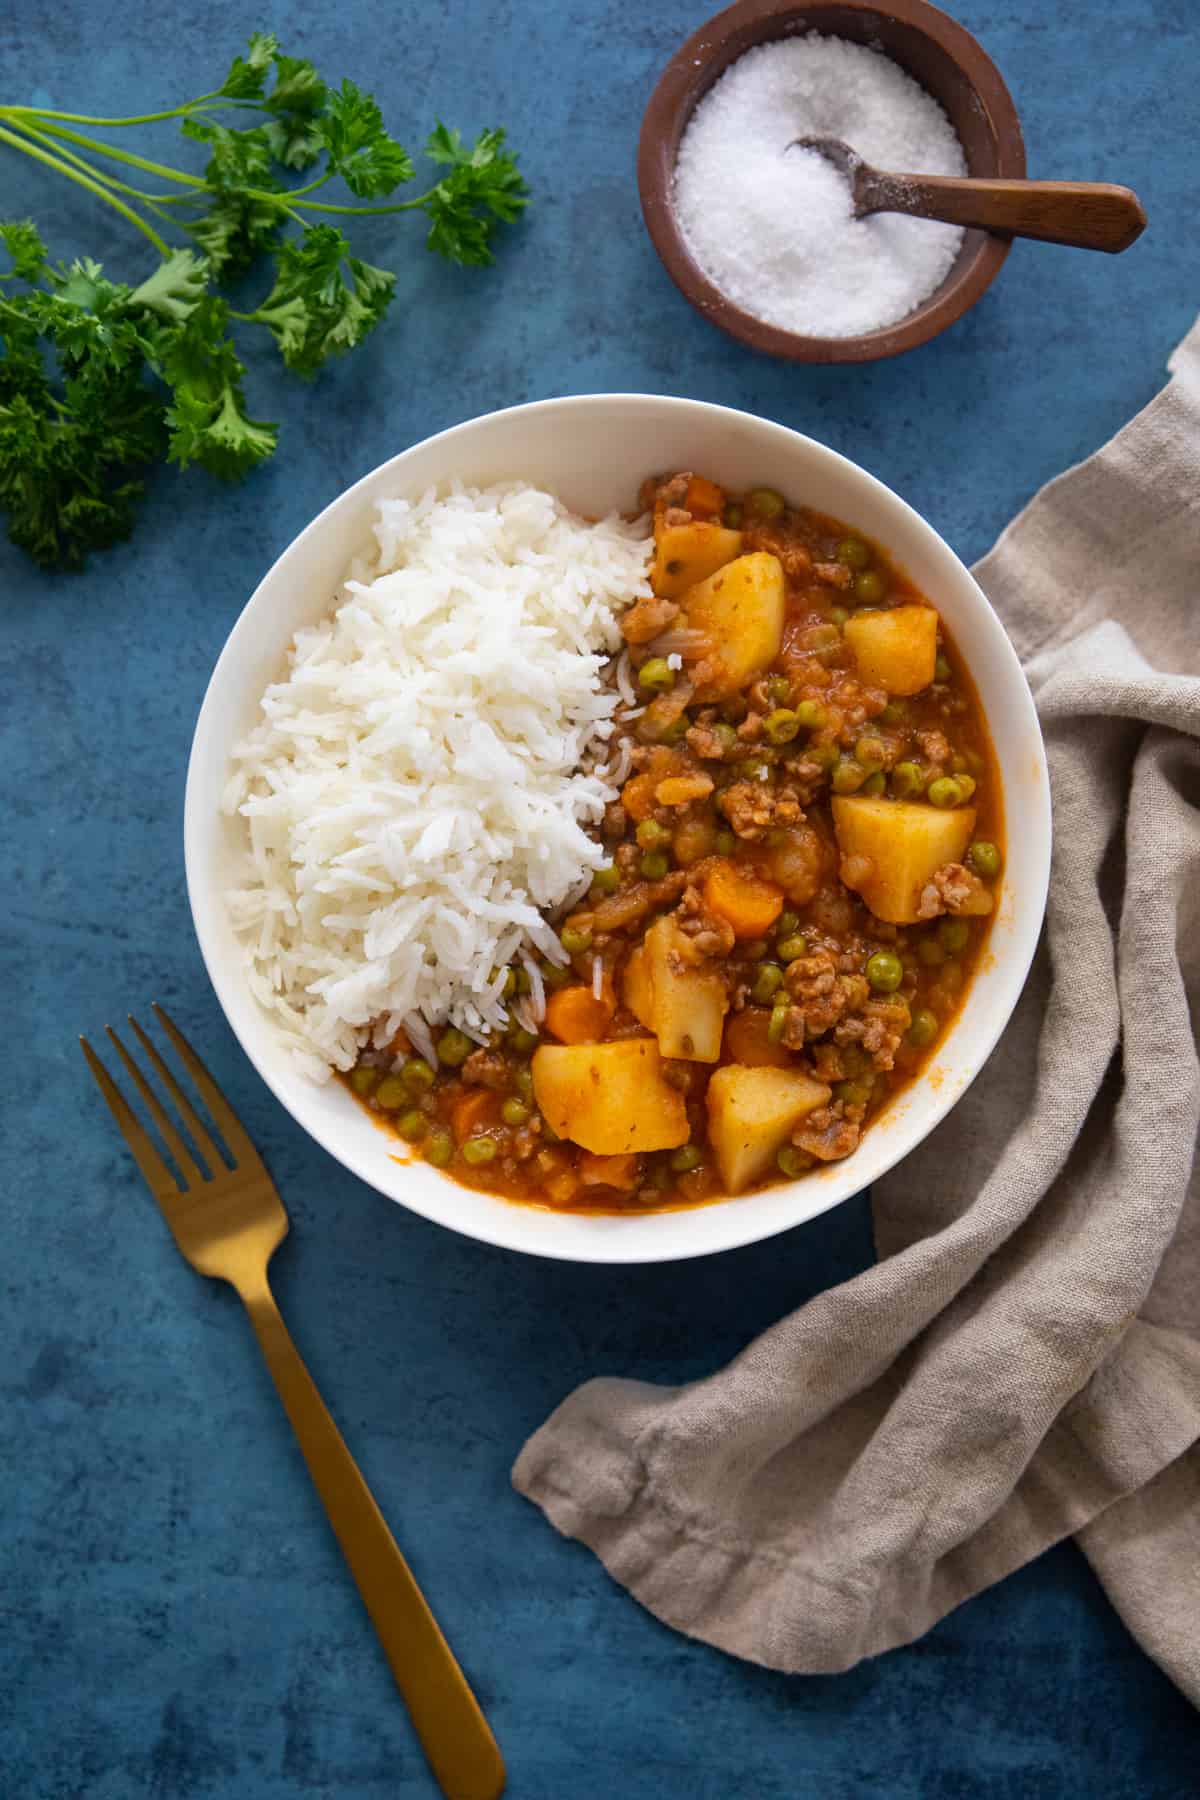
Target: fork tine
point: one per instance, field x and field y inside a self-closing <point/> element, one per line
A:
<point x="158" y="1177"/>
<point x="192" y="1173"/>
<point x="228" y="1123"/>
<point x="183" y="1105"/>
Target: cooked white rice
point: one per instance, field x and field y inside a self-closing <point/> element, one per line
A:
<point x="418" y="790"/>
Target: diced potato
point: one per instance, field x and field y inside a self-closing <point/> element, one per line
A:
<point x="896" y="650"/>
<point x="740" y="610"/>
<point x="685" y="554"/>
<point x="610" y="1098"/>
<point x="689" y="1002"/>
<point x="751" y="1114"/>
<point x="637" y="988"/>
<point x="890" y="849"/>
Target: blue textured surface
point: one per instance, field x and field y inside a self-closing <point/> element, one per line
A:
<point x="176" y="1618"/>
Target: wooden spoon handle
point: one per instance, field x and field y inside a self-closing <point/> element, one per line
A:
<point x="1092" y="215"/>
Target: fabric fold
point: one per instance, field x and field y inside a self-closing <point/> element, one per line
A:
<point x="1023" y="1362"/>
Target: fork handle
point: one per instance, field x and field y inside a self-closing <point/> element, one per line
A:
<point x="455" y="1736"/>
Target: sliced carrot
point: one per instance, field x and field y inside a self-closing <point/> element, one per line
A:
<point x="705" y="500"/>
<point x="743" y="898"/>
<point x="746" y="1041"/>
<point x="575" y="1016"/>
<point x="471" y="1111"/>
<point x="609" y="1171"/>
<point x="637" y="796"/>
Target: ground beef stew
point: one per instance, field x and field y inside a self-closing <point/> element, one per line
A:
<point x="800" y="885"/>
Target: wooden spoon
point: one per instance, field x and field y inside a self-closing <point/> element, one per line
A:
<point x="1091" y="215"/>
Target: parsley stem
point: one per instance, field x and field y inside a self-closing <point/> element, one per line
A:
<point x="176" y="112"/>
<point x="110" y="181"/>
<point x="124" y="156"/>
<point x="85" y="181"/>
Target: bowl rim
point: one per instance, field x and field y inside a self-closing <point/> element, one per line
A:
<point x="665" y="120"/>
<point x="732" y="1222"/>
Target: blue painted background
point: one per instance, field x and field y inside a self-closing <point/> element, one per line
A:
<point x="174" y="1617"/>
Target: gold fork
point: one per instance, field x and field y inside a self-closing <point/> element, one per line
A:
<point x="227" y="1223"/>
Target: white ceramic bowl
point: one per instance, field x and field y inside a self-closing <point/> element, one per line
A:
<point x="593" y="450"/>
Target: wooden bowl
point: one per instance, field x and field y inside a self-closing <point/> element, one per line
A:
<point x="939" y="54"/>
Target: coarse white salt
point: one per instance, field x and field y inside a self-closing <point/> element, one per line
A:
<point x="773" y="228"/>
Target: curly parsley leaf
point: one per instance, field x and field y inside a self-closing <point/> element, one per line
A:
<point x="21" y="239"/>
<point x="482" y="185"/>
<point x="248" y="74"/>
<point x="369" y="161"/>
<point x="315" y="312"/>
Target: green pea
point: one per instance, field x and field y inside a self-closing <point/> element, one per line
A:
<point x="852" y="1093"/>
<point x="391" y="1093"/>
<point x="767" y="984"/>
<point x="848" y="776"/>
<point x="725" y="734"/>
<point x="893" y="712"/>
<point x="930" y="952"/>
<point x="790" y="1162"/>
<point x="479" y="1150"/>
<point x="871" y="750"/>
<point x="942" y="670"/>
<point x="778" y="1021"/>
<point x="854" y="553"/>
<point x="788" y="949"/>
<point x="954" y="935"/>
<point x="671" y="734"/>
<point x="787" y="924"/>
<point x="412" y="1125"/>
<point x="824" y="755"/>
<point x="510" y="984"/>
<point x="524" y="984"/>
<point x="521" y="1040"/>
<point x="439" y="1148"/>
<point x="751" y="767"/>
<point x="654" y="864"/>
<point x="553" y="977"/>
<point x="656" y="674"/>
<point x="364" y="1079"/>
<point x="765" y="502"/>
<point x="908" y="779"/>
<point x="966" y="786"/>
<point x="454" y="1047"/>
<point x="874" y="784"/>
<point x="515" y="1112"/>
<point x="651" y="835"/>
<point x="781" y="727"/>
<point x="575" y="940"/>
<point x="923" y="1028"/>
<point x="686" y="1158"/>
<point x="606" y="880"/>
<point x="726" y="843"/>
<point x="885" y="971"/>
<point x="779" y="689"/>
<point x="984" y="858"/>
<point x="809" y="715"/>
<point x="869" y="587"/>
<point x="731" y="518"/>
<point x="944" y="791"/>
<point x="523" y="1082"/>
<point x="839" y="615"/>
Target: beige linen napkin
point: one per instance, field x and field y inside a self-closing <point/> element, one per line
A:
<point x="1023" y="1362"/>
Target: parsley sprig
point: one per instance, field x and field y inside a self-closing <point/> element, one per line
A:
<point x="99" y="379"/>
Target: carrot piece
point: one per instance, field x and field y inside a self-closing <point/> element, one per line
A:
<point x="470" y="1111"/>
<point x="637" y="796"/>
<point x="743" y="898"/>
<point x="609" y="1171"/>
<point x="575" y="1016"/>
<point x="746" y="1041"/>
<point x="705" y="500"/>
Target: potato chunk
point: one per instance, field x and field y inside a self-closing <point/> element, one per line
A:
<point x="685" y="554"/>
<point x="689" y="1002"/>
<point x="896" y="650"/>
<point x="637" y="987"/>
<point x="890" y="849"/>
<point x="740" y="610"/>
<point x="751" y="1114"/>
<point x="610" y="1098"/>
